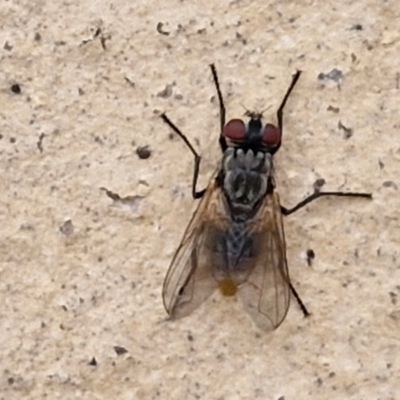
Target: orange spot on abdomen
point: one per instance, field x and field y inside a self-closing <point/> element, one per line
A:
<point x="227" y="287"/>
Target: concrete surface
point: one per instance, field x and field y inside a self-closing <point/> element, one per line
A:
<point x="81" y="273"/>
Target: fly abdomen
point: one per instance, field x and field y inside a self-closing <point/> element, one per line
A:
<point x="233" y="248"/>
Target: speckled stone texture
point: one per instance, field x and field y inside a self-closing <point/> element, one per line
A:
<point x="88" y="227"/>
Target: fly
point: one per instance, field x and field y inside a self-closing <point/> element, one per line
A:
<point x="235" y="240"/>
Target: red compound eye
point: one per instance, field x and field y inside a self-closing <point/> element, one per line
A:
<point x="271" y="135"/>
<point x="235" y="129"/>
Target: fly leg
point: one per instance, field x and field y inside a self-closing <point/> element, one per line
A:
<point x="318" y="194"/>
<point x="222" y="141"/>
<point x="196" y="194"/>
<point x="279" y="114"/>
<point x="299" y="301"/>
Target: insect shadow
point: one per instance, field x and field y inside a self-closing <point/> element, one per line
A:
<point x="235" y="240"/>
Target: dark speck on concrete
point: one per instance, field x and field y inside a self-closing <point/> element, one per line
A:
<point x="7" y="46"/>
<point x="348" y="132"/>
<point x="160" y="29"/>
<point x="93" y="362"/>
<point x="310" y="256"/>
<point x="335" y="75"/>
<point x="120" y="350"/>
<point x="389" y="184"/>
<point x="143" y="152"/>
<point x="15" y="88"/>
<point x="317" y="186"/>
<point x="167" y="92"/>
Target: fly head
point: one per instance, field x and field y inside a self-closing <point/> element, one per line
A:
<point x="255" y="135"/>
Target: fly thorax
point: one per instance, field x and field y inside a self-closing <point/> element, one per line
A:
<point x="245" y="177"/>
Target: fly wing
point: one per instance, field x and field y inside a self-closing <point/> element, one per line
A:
<point x="190" y="280"/>
<point x="266" y="290"/>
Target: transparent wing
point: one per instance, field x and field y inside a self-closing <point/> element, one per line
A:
<point x="190" y="280"/>
<point x="266" y="290"/>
